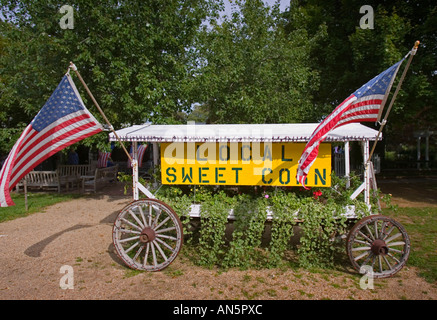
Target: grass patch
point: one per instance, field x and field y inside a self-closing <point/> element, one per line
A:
<point x="421" y="226"/>
<point x="36" y="203"/>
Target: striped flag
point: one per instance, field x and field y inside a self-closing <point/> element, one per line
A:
<point x="62" y="121"/>
<point x="141" y="151"/>
<point x="364" y="105"/>
<point x="102" y="161"/>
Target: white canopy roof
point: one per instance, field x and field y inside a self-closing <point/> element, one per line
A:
<point x="295" y="132"/>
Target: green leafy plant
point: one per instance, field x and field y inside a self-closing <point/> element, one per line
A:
<point x="319" y="213"/>
<point x="321" y="223"/>
<point x="285" y="206"/>
<point x="179" y="202"/>
<point x="250" y="216"/>
<point x="214" y="217"/>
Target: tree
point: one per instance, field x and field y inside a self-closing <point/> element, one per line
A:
<point x="132" y="54"/>
<point x="249" y="70"/>
<point x="349" y="56"/>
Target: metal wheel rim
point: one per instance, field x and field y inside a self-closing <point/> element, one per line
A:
<point x="379" y="242"/>
<point x="147" y="235"/>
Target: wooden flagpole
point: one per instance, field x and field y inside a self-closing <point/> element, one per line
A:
<point x="74" y="68"/>
<point x="384" y="121"/>
<point x="26" y="205"/>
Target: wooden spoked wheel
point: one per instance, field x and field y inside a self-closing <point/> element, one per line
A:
<point x="147" y="235"/>
<point x="380" y="243"/>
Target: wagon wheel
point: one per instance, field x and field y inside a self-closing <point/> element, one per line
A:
<point x="147" y="235"/>
<point x="379" y="242"/>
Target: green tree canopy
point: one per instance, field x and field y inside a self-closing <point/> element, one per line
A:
<point x="132" y="54"/>
<point x="350" y="56"/>
<point x="249" y="70"/>
<point x="162" y="61"/>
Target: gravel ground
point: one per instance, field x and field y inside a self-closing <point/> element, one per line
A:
<point x="77" y="235"/>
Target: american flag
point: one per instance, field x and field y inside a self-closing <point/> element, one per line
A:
<point x="364" y="105"/>
<point x="141" y="151"/>
<point x="102" y="161"/>
<point x="62" y="121"/>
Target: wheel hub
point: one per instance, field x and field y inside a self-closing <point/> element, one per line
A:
<point x="379" y="247"/>
<point x="147" y="235"/>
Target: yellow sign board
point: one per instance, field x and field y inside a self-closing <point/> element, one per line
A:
<point x="269" y="164"/>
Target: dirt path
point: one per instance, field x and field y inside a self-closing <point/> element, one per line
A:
<point x="78" y="234"/>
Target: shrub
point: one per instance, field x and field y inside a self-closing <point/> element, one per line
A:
<point x="319" y="213"/>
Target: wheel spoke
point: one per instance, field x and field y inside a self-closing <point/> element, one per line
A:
<point x="142" y="216"/>
<point x="166" y="237"/>
<point x="362" y="242"/>
<point x="374" y="258"/>
<point x="365" y="237"/>
<point x="398" y="243"/>
<point x="127" y="231"/>
<point x="380" y="263"/>
<point x="131" y="224"/>
<point x="165" y="244"/>
<point x="367" y="259"/>
<point x="132" y="247"/>
<point x="165" y="230"/>
<point x="360" y="248"/>
<point x="389" y="232"/>
<point x="155" y="262"/>
<point x="156" y="219"/>
<point x="383" y="226"/>
<point x="129" y="239"/>
<point x="397" y="235"/>
<point x="375" y="225"/>
<point x="138" y="253"/>
<point x="136" y="219"/>
<point x="146" y="255"/>
<point x="393" y="257"/>
<point x="370" y="232"/>
<point x="164" y="221"/>
<point x="396" y="250"/>
<point x="150" y="216"/>
<point x="387" y="263"/>
<point x="361" y="256"/>
<point x="155" y="243"/>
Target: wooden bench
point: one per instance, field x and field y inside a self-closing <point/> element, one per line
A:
<point x="71" y="174"/>
<point x="41" y="180"/>
<point x="101" y="177"/>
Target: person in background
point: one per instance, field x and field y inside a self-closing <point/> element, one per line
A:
<point x="73" y="157"/>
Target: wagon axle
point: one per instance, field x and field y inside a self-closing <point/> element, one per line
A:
<point x="379" y="247"/>
<point x="147" y="235"/>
